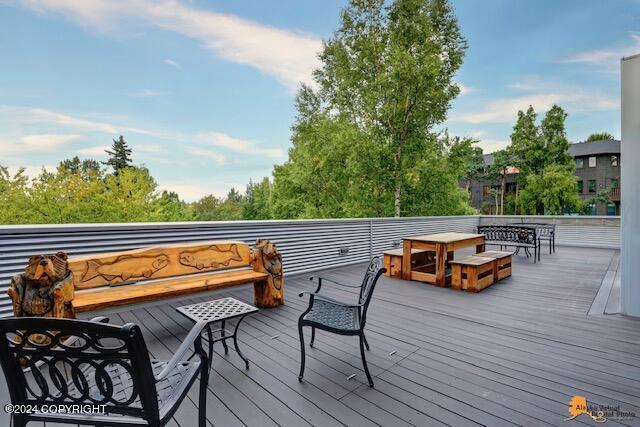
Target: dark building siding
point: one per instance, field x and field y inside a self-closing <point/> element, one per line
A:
<point x="605" y="174"/>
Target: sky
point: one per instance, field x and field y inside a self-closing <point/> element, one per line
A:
<point x="203" y="90"/>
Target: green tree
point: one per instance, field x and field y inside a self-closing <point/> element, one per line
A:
<point x="554" y="139"/>
<point x="386" y="79"/>
<point x="535" y="148"/>
<point x="169" y="207"/>
<point x="207" y="208"/>
<point x="119" y="155"/>
<point x="600" y="136"/>
<point x="14" y="197"/>
<point x="257" y="200"/>
<point x="527" y="146"/>
<point x="552" y="192"/>
<point x="475" y="168"/>
<point x="80" y="192"/>
<point x="503" y="160"/>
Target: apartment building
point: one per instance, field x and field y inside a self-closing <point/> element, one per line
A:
<point x="597" y="171"/>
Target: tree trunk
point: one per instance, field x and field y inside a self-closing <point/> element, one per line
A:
<point x="398" y="184"/>
<point x="502" y="186"/>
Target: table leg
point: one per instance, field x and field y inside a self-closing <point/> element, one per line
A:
<point x="224" y="341"/>
<point x="441" y="264"/>
<point x="480" y="248"/>
<point x="406" y="259"/>
<point x="449" y="257"/>
<point x="235" y="342"/>
<point x="210" y="339"/>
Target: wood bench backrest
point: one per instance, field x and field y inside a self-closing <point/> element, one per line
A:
<point x="93" y="271"/>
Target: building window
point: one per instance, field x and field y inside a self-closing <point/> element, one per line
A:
<point x="580" y="187"/>
<point x="592" y="186"/>
<point x="485" y="190"/>
<point x="579" y="163"/>
<point x="611" y="209"/>
<point x="614" y="160"/>
<point x="592" y="162"/>
<point x="590" y="209"/>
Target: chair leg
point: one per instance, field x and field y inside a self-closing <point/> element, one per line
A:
<point x="364" y="360"/>
<point x="19" y="421"/>
<point x="202" y="403"/>
<point x="313" y="336"/>
<point x="302" y="355"/>
<point x="366" y="344"/>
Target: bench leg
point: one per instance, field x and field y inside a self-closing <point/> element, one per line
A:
<point x="313" y="336"/>
<point x="472" y="278"/>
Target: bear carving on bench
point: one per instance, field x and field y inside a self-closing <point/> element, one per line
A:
<point x="45" y="289"/>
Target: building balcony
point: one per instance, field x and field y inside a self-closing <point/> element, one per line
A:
<point x="614" y="194"/>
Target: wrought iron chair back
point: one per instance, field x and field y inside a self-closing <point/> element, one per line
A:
<point x="42" y="369"/>
<point x="371" y="276"/>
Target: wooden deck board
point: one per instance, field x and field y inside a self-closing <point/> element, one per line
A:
<point x="512" y="354"/>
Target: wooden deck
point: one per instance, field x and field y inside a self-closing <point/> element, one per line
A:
<point x="512" y="354"/>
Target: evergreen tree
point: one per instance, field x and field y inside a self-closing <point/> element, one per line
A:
<point x="119" y="155"/>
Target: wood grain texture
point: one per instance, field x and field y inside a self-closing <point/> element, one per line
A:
<point x="265" y="258"/>
<point x="93" y="299"/>
<point x="157" y="262"/>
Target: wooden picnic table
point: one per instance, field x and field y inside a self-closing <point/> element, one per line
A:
<point x="443" y="244"/>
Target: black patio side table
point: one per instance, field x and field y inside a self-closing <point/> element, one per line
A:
<point x="219" y="310"/>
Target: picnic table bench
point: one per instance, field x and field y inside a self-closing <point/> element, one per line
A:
<point x="152" y="273"/>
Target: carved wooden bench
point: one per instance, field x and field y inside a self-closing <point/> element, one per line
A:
<point x="118" y="278"/>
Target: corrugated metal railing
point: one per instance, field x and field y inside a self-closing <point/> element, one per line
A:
<point x="306" y="245"/>
<point x="584" y="231"/>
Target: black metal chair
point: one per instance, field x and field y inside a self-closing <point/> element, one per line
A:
<point x="92" y="364"/>
<point x="340" y="317"/>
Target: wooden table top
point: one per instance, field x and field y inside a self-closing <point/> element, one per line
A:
<point x="444" y="237"/>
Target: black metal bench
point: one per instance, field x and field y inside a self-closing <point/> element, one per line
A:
<point x="544" y="231"/>
<point x="512" y="235"/>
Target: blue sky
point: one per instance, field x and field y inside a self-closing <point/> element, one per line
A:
<point x="203" y="90"/>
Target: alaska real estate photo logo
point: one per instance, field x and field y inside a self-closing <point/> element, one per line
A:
<point x="578" y="405"/>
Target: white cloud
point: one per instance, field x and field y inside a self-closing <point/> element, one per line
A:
<point x="147" y="93"/>
<point x="244" y="146"/>
<point x="465" y="90"/>
<point x="209" y="154"/>
<point x="49" y="117"/>
<point x="93" y="151"/>
<point x="148" y="148"/>
<point x="504" y="110"/>
<point x="37" y="143"/>
<point x="287" y="55"/>
<point x="31" y="171"/>
<point x="490" y="145"/>
<point x="606" y="59"/>
<point x="172" y="63"/>
<point x="191" y="190"/>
